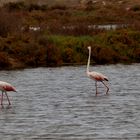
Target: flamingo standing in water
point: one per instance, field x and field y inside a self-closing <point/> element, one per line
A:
<point x="98" y="77"/>
<point x="5" y="87"/>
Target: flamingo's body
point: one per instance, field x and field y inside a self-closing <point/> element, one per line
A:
<point x="6" y="87"/>
<point x="98" y="77"/>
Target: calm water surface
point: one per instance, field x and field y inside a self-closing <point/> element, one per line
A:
<point x="60" y="104"/>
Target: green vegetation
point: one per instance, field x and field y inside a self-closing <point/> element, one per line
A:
<point x="34" y="35"/>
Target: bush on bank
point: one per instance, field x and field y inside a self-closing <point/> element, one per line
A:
<point x="56" y="50"/>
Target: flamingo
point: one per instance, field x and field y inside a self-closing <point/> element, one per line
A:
<point x="98" y="77"/>
<point x="5" y="87"/>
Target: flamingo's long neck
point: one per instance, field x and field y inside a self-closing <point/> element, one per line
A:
<point x="88" y="63"/>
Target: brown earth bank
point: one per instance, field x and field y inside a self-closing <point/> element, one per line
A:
<point x="54" y="34"/>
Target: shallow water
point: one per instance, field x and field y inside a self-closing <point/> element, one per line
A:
<point x="60" y="104"/>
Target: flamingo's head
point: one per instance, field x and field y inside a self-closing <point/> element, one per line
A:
<point x="89" y="47"/>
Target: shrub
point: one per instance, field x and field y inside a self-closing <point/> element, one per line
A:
<point x="53" y="56"/>
<point x="68" y="55"/>
<point x="137" y="54"/>
<point x="15" y="6"/>
<point x="32" y="7"/>
<point x="9" y="23"/>
<point x="4" y="61"/>
<point x="89" y="5"/>
<point x="42" y="40"/>
<point x="104" y="55"/>
<point x="135" y="8"/>
<point x="60" y="7"/>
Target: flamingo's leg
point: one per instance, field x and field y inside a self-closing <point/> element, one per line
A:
<point x="2" y="98"/>
<point x="96" y="88"/>
<point x="106" y="87"/>
<point x="7" y="98"/>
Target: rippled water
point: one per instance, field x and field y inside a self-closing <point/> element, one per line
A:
<point x="60" y="104"/>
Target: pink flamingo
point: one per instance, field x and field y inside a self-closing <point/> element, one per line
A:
<point x="5" y="87"/>
<point x="95" y="75"/>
